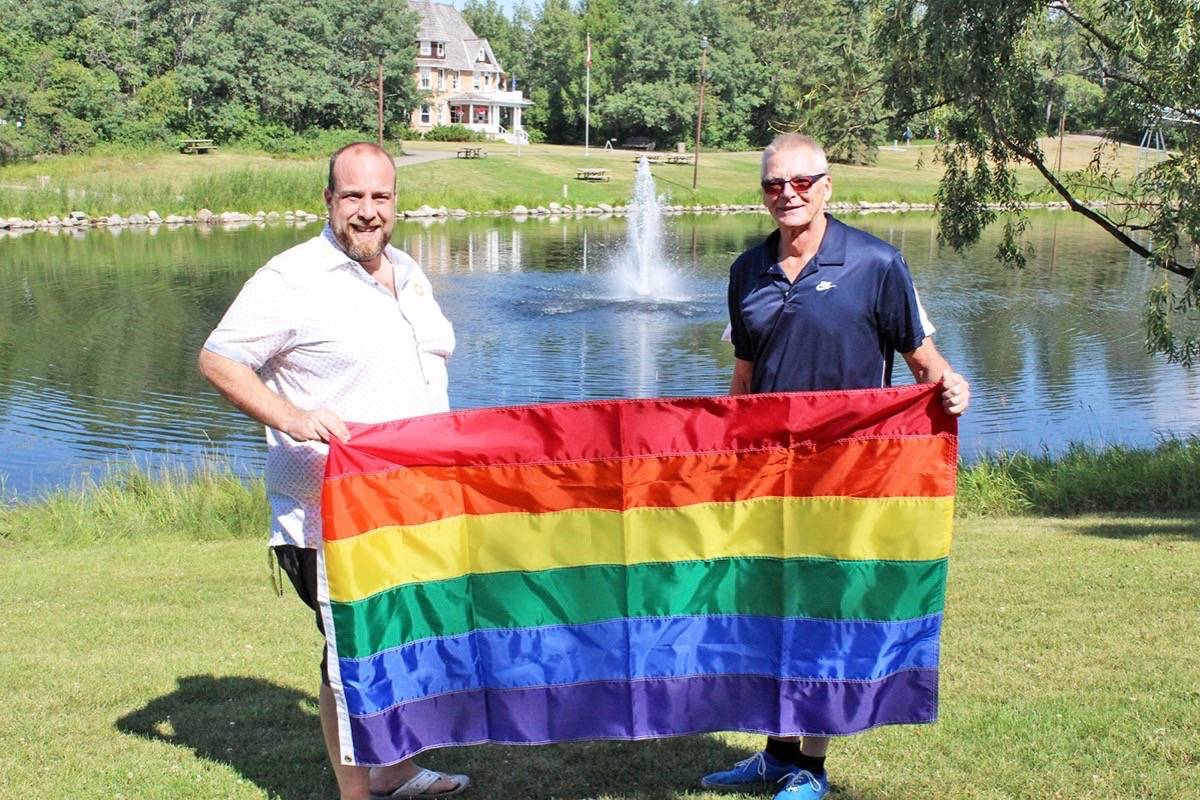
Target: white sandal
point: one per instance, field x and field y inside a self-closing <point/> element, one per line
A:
<point x="418" y="785"/>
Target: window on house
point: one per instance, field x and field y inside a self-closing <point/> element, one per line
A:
<point x="424" y="115"/>
<point x="454" y="79"/>
<point x="424" y="77"/>
<point x="424" y="47"/>
<point x="441" y="79"/>
<point x="475" y="80"/>
<point x="441" y="49"/>
<point x="457" y="114"/>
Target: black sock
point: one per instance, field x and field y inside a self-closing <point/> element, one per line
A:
<point x="781" y="750"/>
<point x="789" y="753"/>
<point x="814" y="764"/>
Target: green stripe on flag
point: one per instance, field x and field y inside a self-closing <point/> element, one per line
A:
<point x="799" y="587"/>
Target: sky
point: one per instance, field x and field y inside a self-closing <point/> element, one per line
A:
<point x="507" y="5"/>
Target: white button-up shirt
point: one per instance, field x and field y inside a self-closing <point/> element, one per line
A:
<point x="321" y="332"/>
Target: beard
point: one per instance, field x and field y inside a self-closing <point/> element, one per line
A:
<point x="360" y="247"/>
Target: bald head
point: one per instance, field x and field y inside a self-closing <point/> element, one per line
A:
<point x="356" y="150"/>
<point x="787" y="142"/>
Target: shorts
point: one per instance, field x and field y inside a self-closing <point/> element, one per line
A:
<point x="300" y="564"/>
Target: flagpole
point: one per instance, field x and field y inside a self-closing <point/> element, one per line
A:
<point x="587" y="109"/>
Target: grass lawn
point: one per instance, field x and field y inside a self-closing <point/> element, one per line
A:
<point x="168" y="182"/>
<point x="166" y="668"/>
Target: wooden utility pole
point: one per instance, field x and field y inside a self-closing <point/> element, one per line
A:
<point x="700" y="111"/>
<point x="1062" y="129"/>
<point x="379" y="97"/>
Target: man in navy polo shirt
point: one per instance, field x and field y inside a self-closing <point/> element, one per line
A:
<point x="819" y="305"/>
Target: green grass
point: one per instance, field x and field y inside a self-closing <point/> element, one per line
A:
<point x="208" y="504"/>
<point x="126" y="182"/>
<point x="1083" y="480"/>
<point x="165" y="667"/>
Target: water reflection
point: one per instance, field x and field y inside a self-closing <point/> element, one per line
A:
<point x="99" y="330"/>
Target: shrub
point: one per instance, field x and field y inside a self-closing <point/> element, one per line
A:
<point x="453" y="133"/>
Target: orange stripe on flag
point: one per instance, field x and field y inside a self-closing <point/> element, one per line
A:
<point x="865" y="468"/>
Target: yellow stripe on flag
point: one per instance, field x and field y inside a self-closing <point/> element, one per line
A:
<point x="895" y="529"/>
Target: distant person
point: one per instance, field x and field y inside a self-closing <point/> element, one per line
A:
<point x="908" y="136"/>
<point x="340" y="327"/>
<point x="819" y="305"/>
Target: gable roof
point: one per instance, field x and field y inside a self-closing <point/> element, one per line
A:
<point x="441" y="22"/>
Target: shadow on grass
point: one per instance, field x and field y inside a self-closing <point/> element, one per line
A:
<point x="1174" y="528"/>
<point x="269" y="734"/>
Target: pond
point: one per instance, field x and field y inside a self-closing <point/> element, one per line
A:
<point x="99" y="332"/>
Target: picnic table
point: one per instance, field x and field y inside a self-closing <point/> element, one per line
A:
<point x="639" y="143"/>
<point x="591" y="174"/>
<point x="673" y="158"/>
<point x="472" y="152"/>
<point x="191" y="146"/>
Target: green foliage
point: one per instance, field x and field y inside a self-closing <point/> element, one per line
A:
<point x="314" y="143"/>
<point x="1084" y="480"/>
<point x="150" y="71"/>
<point x="453" y="133"/>
<point x="1082" y="100"/>
<point x="995" y="75"/>
<point x="555" y="73"/>
<point x="130" y="504"/>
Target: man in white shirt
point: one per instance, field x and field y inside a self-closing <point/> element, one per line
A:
<point x="341" y="327"/>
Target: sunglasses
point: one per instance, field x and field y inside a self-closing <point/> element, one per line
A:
<point x="773" y="187"/>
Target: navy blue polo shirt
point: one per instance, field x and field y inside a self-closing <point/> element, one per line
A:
<point x="851" y="308"/>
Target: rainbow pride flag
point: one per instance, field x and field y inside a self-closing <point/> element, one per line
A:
<point x="637" y="569"/>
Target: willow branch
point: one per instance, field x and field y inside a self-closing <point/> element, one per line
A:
<point x="910" y="112"/>
<point x="1148" y="91"/>
<point x="1065" y="7"/>
<point x="1170" y="264"/>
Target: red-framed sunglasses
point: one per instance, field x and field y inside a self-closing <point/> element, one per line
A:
<point x="773" y="187"/>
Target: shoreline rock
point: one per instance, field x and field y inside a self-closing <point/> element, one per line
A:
<point x="78" y="222"/>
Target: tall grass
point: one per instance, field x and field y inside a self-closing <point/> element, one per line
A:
<point x="279" y="187"/>
<point x="1084" y="480"/>
<point x="210" y="503"/>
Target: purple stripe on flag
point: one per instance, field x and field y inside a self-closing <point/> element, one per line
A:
<point x="645" y="709"/>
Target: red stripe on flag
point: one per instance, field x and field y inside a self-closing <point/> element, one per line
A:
<point x="610" y="429"/>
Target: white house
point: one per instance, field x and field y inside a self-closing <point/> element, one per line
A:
<point x="460" y="78"/>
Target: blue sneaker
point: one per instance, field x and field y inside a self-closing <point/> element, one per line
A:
<point x="803" y="785"/>
<point x="759" y="768"/>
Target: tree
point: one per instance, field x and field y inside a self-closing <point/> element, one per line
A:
<point x="979" y="66"/>
<point x="653" y="82"/>
<point x="823" y="80"/>
<point x="556" y="74"/>
<point x="737" y="82"/>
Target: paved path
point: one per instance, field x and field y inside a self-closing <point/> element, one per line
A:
<point x="423" y="156"/>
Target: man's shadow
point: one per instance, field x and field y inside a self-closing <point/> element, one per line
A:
<point x="270" y="735"/>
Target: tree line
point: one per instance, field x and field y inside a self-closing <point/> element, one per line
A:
<point x="146" y="72"/>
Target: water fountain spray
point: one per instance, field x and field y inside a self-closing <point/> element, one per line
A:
<point x="644" y="268"/>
